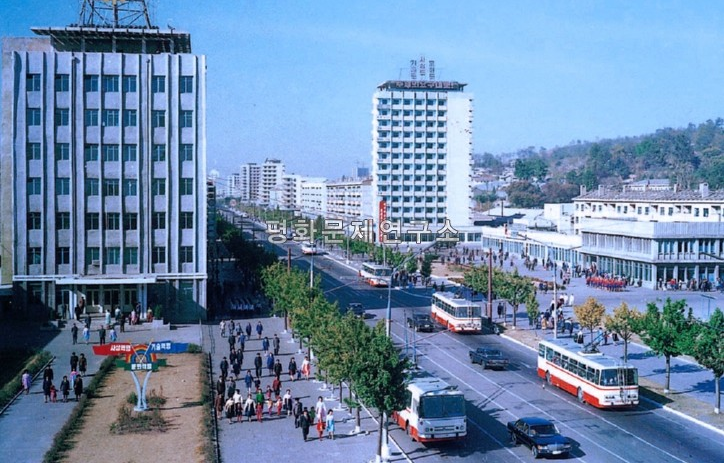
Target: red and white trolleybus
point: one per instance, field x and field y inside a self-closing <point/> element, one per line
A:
<point x="597" y="379"/>
<point x="456" y="314"/>
<point x="375" y="274"/>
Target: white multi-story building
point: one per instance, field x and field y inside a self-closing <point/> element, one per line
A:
<point x="291" y="191"/>
<point x="272" y="171"/>
<point x="103" y="169"/>
<point x="349" y="199"/>
<point x="653" y="235"/>
<point x="422" y="154"/>
<point x="314" y="196"/>
<point x="233" y="186"/>
<point x="249" y="175"/>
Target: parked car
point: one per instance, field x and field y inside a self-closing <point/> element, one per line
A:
<point x="420" y="322"/>
<point x="489" y="357"/>
<point x="356" y="308"/>
<point x="540" y="435"/>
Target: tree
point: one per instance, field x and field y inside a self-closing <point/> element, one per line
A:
<point x="524" y="194"/>
<point x="515" y="289"/>
<point x="589" y="314"/>
<point x="411" y="264"/>
<point x="556" y="193"/>
<point x="664" y="332"/>
<point x="533" y="167"/>
<point x="426" y="268"/>
<point x="532" y="308"/>
<point x="706" y="345"/>
<point x="622" y="322"/>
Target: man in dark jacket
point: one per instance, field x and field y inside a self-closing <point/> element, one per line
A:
<point x="224" y="367"/>
<point x="277" y="344"/>
<point x="258" y="364"/>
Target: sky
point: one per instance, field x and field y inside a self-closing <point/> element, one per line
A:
<point x="294" y="80"/>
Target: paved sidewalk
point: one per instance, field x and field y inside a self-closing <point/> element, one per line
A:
<point x="29" y="424"/>
<point x="276" y="437"/>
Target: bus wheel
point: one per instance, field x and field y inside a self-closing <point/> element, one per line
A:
<point x="579" y="394"/>
<point x="548" y="377"/>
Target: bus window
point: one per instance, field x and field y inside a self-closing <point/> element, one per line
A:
<point x="609" y="377"/>
<point x="541" y="350"/>
<point x="442" y="406"/>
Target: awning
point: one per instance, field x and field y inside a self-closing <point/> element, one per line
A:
<point x="105" y="281"/>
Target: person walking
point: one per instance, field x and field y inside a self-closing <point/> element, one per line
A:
<point x="259" y="328"/>
<point x="248" y="329"/>
<point x="248" y="381"/>
<point x="65" y="388"/>
<point x="278" y="369"/>
<point x="73" y="362"/>
<point x="304" y="423"/>
<point x="249" y="407"/>
<point x="86" y="334"/>
<point x="48" y="374"/>
<point x="123" y="323"/>
<point x="74" y="333"/>
<point x="82" y="364"/>
<point x="224" y="367"/>
<point x="270" y="363"/>
<point x="306" y="368"/>
<point x="277" y="386"/>
<point x="46" y="388"/>
<point x="222" y="328"/>
<point x="292" y="368"/>
<point x="112" y="334"/>
<point x="297" y="411"/>
<point x="102" y="335"/>
<point x="26" y="379"/>
<point x="329" y="423"/>
<point x="287" y="402"/>
<point x="258" y="364"/>
<point x="320" y="424"/>
<point x="320" y="410"/>
<point x="259" y="404"/>
<point x="78" y="387"/>
<point x="276" y="343"/>
<point x="265" y="345"/>
<point x="229" y="409"/>
<point x="232" y="342"/>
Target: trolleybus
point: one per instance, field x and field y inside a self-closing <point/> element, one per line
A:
<point x="309" y="248"/>
<point x="455" y="313"/>
<point x="434" y="410"/>
<point x="375" y="274"/>
<point x="602" y="381"/>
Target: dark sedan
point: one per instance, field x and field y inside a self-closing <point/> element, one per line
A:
<point x="420" y="322"/>
<point x="540" y="435"/>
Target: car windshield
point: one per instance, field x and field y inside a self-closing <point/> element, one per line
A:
<point x="493" y="352"/>
<point x="442" y="406"/>
<point x="543" y="430"/>
<point x="422" y="318"/>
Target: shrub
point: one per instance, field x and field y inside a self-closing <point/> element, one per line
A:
<point x="35" y="363"/>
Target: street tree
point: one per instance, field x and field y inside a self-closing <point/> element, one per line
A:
<point x="665" y="331"/>
<point x="622" y="322"/>
<point x="532" y="307"/>
<point x="706" y="345"/>
<point x="589" y="314"/>
<point x="426" y="269"/>
<point x="411" y="264"/>
<point x="516" y="289"/>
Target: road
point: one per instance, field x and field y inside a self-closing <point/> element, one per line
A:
<point x="646" y="434"/>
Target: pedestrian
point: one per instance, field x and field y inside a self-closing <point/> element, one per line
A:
<point x="249" y="407"/>
<point x="53" y="393"/>
<point x="304" y="423"/>
<point x="277" y="386"/>
<point x="86" y="334"/>
<point x="88" y="321"/>
<point x="123" y="323"/>
<point x="248" y="329"/>
<point x="258" y="364"/>
<point x="78" y="387"/>
<point x="107" y="317"/>
<point x="224" y="367"/>
<point x="26" y="379"/>
<point x="82" y="364"/>
<point x="236" y="368"/>
<point x="112" y="334"/>
<point x="306" y="368"/>
<point x="259" y="404"/>
<point x="277" y="344"/>
<point x="248" y="380"/>
<point x="329" y="423"/>
<point x="320" y="419"/>
<point x="297" y="411"/>
<point x="73" y="362"/>
<point x="221" y="386"/>
<point x="292" y="368"/>
<point x="232" y="342"/>
<point x="320" y="410"/>
<point x="270" y="363"/>
<point x="74" y="333"/>
<point x="259" y="328"/>
<point x="48" y="373"/>
<point x="65" y="388"/>
<point x="265" y="344"/>
<point x="231" y="388"/>
<point x="287" y="402"/>
<point x="102" y="335"/>
<point x="241" y="338"/>
<point x="222" y="328"/>
<point x="229" y="409"/>
<point x="238" y="405"/>
<point x="278" y="369"/>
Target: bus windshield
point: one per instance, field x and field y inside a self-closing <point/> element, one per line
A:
<point x="442" y="406"/>
<point x="615" y="377"/>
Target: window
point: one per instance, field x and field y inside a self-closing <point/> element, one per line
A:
<point x="130" y="221"/>
<point x="111" y="117"/>
<point x="92" y="256"/>
<point x="158" y="255"/>
<point x="158" y="220"/>
<point x="34" y="220"/>
<point x="90" y="152"/>
<point x="129" y="84"/>
<point x="93" y="221"/>
<point x="187" y="254"/>
<point x="33" y="83"/>
<point x="112" y="221"/>
<point x="129" y="153"/>
<point x="187" y="220"/>
<point x="62" y="151"/>
<point x="158" y="186"/>
<point x="111" y="187"/>
<point x="33" y="116"/>
<point x="186" y="152"/>
<point x="130" y="187"/>
<point x="110" y="153"/>
<point x="62" y="256"/>
<point x="158" y="119"/>
<point x="62" y="220"/>
<point x="130" y="256"/>
<point x="696" y="212"/>
<point x="62" y="82"/>
<point x="62" y="186"/>
<point x="158" y="84"/>
<point x="186" y="119"/>
<point x="62" y="117"/>
<point x="91" y="117"/>
<point x="130" y="118"/>
<point x="158" y="153"/>
<point x="92" y="187"/>
<point x="33" y="152"/>
<point x="186" y="84"/>
<point x="112" y="256"/>
<point x="34" y="256"/>
<point x="110" y="83"/>
<point x="34" y="185"/>
<point x="90" y="83"/>
<point x="187" y="186"/>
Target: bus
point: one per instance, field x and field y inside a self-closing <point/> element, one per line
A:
<point x="309" y="248"/>
<point x="455" y="313"/>
<point x="375" y="274"/>
<point x="596" y="379"/>
<point x="434" y="410"/>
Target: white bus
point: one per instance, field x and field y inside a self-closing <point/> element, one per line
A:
<point x="456" y="314"/>
<point x="594" y="378"/>
<point x="375" y="274"/>
<point x="309" y="248"/>
<point x="434" y="410"/>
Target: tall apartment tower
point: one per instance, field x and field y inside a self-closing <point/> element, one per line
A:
<point x="422" y="154"/>
<point x="103" y="169"/>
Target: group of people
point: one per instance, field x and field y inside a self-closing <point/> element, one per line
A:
<point x="50" y="392"/>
